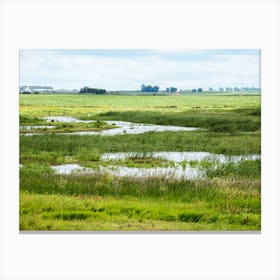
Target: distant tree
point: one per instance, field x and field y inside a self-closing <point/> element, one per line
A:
<point x="221" y="89"/>
<point x="92" y="90"/>
<point x="149" y="88"/>
<point x="193" y="90"/>
<point x="199" y="90"/>
<point x="173" y="89"/>
<point x="99" y="91"/>
<point x="167" y="89"/>
<point x="253" y="89"/>
<point x="155" y="88"/>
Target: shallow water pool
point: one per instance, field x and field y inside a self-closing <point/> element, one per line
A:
<point x="180" y="156"/>
<point x="122" y="127"/>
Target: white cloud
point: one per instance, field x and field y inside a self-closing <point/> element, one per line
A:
<point x="69" y="70"/>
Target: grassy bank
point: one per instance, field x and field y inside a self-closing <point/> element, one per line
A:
<point x="95" y="202"/>
<point x="39" y="178"/>
<point x="228" y="200"/>
<point x="60" y="212"/>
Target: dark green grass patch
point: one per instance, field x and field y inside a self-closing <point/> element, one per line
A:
<point x="24" y="120"/>
<point x="33" y="169"/>
<point x="218" y="121"/>
<point x="71" y="145"/>
<point x="242" y="169"/>
<point x="248" y="111"/>
<point x="42" y="157"/>
<point x="68" y="215"/>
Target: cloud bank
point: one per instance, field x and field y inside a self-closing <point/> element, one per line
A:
<point x="129" y="69"/>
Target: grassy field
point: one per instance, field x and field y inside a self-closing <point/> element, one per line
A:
<point x="76" y="105"/>
<point x="229" y="198"/>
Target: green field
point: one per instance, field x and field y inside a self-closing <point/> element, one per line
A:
<point x="75" y="105"/>
<point x="229" y="198"/>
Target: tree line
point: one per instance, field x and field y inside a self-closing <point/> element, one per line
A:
<point x="150" y="88"/>
<point x="171" y="89"/>
<point x="92" y="90"/>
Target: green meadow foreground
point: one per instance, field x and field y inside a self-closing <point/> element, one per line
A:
<point x="227" y="198"/>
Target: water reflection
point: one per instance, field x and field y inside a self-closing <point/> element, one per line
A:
<point x="180" y="156"/>
<point x="121" y="127"/>
<point x="70" y="169"/>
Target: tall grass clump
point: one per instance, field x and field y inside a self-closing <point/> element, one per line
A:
<point x="104" y="184"/>
<point x="243" y="169"/>
<point x="219" y="143"/>
<point x="217" y="121"/>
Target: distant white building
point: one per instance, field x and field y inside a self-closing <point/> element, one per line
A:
<point x="25" y="89"/>
<point x="35" y="89"/>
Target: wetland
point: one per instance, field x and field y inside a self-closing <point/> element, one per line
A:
<point x="111" y="163"/>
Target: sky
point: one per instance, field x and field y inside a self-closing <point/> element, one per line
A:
<point x="127" y="69"/>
